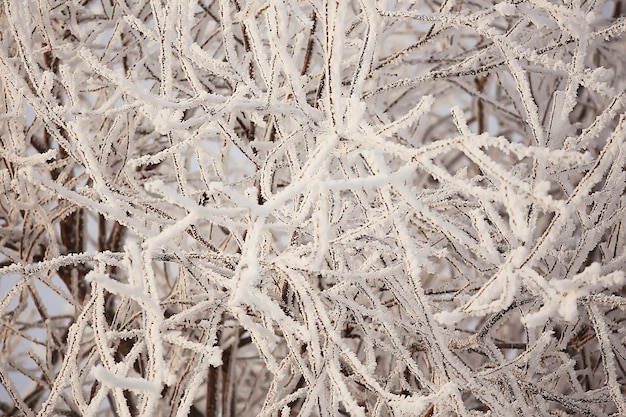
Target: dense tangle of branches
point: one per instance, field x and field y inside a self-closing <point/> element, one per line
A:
<point x="312" y="208"/>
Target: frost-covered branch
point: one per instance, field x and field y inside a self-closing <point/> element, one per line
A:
<point x="312" y="208"/>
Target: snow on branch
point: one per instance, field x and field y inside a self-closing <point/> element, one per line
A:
<point x="312" y="208"/>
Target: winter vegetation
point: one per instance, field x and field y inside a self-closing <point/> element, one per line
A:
<point x="284" y="208"/>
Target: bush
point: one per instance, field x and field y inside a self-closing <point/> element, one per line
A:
<point x="337" y="208"/>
